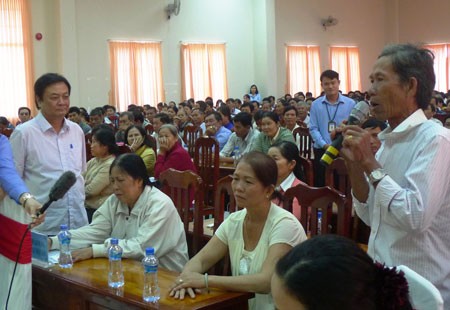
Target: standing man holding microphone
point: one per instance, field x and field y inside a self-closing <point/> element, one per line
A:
<point x="402" y="192"/>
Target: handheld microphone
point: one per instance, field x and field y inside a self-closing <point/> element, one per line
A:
<point x="59" y="189"/>
<point x="358" y="115"/>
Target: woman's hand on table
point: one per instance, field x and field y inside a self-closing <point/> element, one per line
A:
<point x="82" y="254"/>
<point x="188" y="282"/>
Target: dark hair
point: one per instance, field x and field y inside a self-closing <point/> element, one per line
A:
<point x="246" y="96"/>
<point x="374" y="123"/>
<point x="336" y="265"/>
<point x="46" y="80"/>
<point x="258" y="115"/>
<point x="107" y="106"/>
<point x="331" y="74"/>
<point x="174" y="108"/>
<point x="289" y="150"/>
<point x="225" y="111"/>
<point x="138" y="117"/>
<point x="163" y="117"/>
<point x="106" y="137"/>
<point x="248" y="105"/>
<point x="272" y="115"/>
<point x="412" y="61"/>
<point x="290" y="108"/>
<point x="244" y="118"/>
<point x="264" y="167"/>
<point x="24" y="108"/>
<point x="142" y="132"/>
<point x="74" y="110"/>
<point x="97" y="111"/>
<point x="4" y="121"/>
<point x="128" y="114"/>
<point x="217" y="116"/>
<point x="250" y="91"/>
<point x="133" y="165"/>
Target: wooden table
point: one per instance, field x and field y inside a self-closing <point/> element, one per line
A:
<point x="85" y="286"/>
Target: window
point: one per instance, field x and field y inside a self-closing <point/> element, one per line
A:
<point x="441" y="65"/>
<point x="303" y="69"/>
<point x="345" y="61"/>
<point x="16" y="74"/>
<point x="203" y="71"/>
<point x="136" y="73"/>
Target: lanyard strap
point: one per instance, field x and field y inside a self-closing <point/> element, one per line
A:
<point x="328" y="112"/>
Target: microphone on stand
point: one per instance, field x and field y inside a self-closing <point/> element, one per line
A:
<point x="358" y="115"/>
<point x="59" y="189"/>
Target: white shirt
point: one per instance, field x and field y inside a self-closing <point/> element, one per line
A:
<point x="281" y="227"/>
<point x="244" y="145"/>
<point x="41" y="156"/>
<point x="409" y="212"/>
<point x="153" y="222"/>
<point x="287" y="183"/>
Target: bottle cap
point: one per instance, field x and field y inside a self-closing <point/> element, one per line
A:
<point x="150" y="251"/>
<point x="114" y="241"/>
<point x="63" y="227"/>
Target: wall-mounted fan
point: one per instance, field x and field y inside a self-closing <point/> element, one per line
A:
<point x="173" y="8"/>
<point x="328" y="22"/>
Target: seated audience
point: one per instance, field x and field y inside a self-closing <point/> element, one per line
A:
<point x="242" y="139"/>
<point x="290" y="172"/>
<point x="138" y="214"/>
<point x="136" y="138"/>
<point x="96" y="117"/>
<point x="215" y="129"/>
<point x="198" y="118"/>
<point x="290" y="115"/>
<point x="158" y="120"/>
<point x="96" y="177"/>
<point x="5" y="124"/>
<point x="332" y="272"/>
<point x="171" y="154"/>
<point x="172" y="112"/>
<point x="271" y="133"/>
<point x="234" y="109"/>
<point x="126" y="119"/>
<point x="226" y="117"/>
<point x="24" y="114"/>
<point x="374" y="127"/>
<point x="430" y="112"/>
<point x="150" y="113"/>
<point x="303" y="117"/>
<point x="254" y="237"/>
<point x="181" y="121"/>
<point x="75" y="116"/>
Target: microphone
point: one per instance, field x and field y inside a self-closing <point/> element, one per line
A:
<point x="358" y="115"/>
<point x="59" y="189"/>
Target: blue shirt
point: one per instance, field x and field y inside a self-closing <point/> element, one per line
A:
<point x="10" y="180"/>
<point x="322" y="112"/>
<point x="222" y="135"/>
<point x="255" y="97"/>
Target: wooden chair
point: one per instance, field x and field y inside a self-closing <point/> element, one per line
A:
<point x="336" y="176"/>
<point x="206" y="161"/>
<point x="190" y="135"/>
<point x="313" y="199"/>
<point x="152" y="143"/>
<point x="179" y="186"/>
<point x="149" y="129"/>
<point x="304" y="141"/>
<point x="308" y="169"/>
<point x="123" y="148"/>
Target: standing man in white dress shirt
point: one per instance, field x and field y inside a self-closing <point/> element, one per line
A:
<point x="403" y="191"/>
<point x="47" y="146"/>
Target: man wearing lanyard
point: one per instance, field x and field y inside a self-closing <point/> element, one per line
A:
<point x="327" y="112"/>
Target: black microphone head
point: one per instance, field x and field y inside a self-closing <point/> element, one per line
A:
<point x="359" y="113"/>
<point x="62" y="185"/>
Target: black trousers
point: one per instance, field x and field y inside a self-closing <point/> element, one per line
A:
<point x="319" y="169"/>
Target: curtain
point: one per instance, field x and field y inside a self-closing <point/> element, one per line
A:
<point x="303" y="69"/>
<point x="136" y="74"/>
<point x="16" y="73"/>
<point x="203" y="71"/>
<point x="345" y="61"/>
<point x="441" y="65"/>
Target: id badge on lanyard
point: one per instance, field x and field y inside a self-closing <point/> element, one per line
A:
<point x="331" y="126"/>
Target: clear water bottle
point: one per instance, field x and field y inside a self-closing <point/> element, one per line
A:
<point x="151" y="288"/>
<point x="65" y="256"/>
<point x="236" y="155"/>
<point x="319" y="222"/>
<point x="115" y="275"/>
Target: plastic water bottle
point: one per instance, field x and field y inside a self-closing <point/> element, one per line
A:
<point x="237" y="155"/>
<point x="65" y="256"/>
<point x="115" y="275"/>
<point x="319" y="222"/>
<point x="151" y="288"/>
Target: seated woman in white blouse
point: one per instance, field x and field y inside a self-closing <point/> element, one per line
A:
<point x="256" y="237"/>
<point x="138" y="214"/>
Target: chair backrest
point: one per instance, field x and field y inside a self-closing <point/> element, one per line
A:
<point x="423" y="294"/>
<point x="336" y="176"/>
<point x="304" y="141"/>
<point x="206" y="161"/>
<point x="190" y="135"/>
<point x="224" y="194"/>
<point x="180" y="187"/>
<point x="123" y="148"/>
<point x="313" y="199"/>
<point x="308" y="170"/>
<point x="152" y="143"/>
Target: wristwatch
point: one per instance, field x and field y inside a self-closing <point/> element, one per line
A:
<point x="24" y="197"/>
<point x="376" y="175"/>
